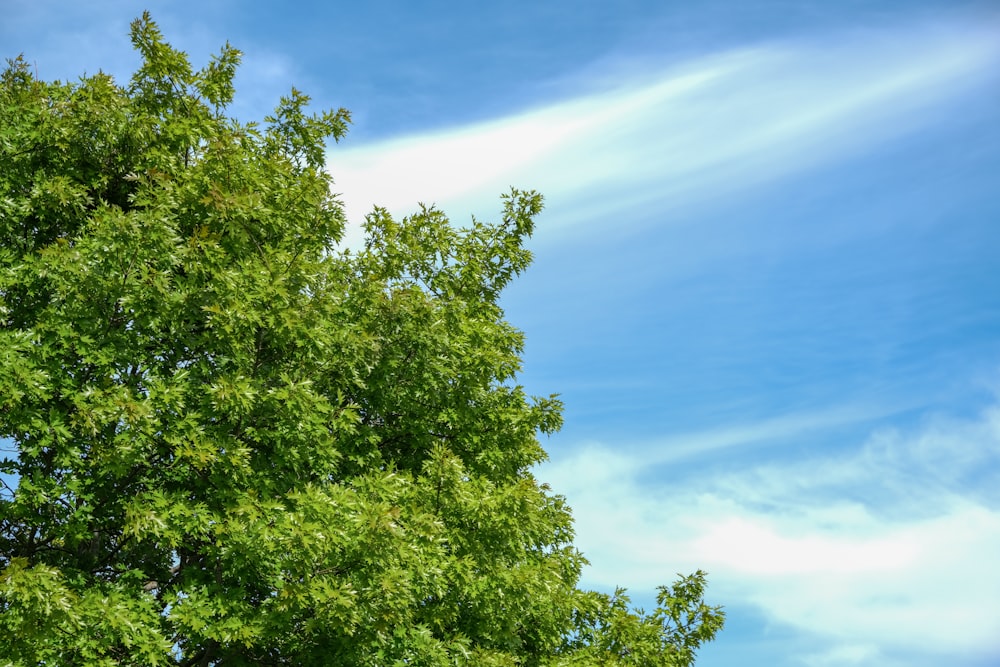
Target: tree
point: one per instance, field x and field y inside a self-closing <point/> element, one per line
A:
<point x="231" y="441"/>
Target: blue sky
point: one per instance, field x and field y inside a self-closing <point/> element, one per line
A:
<point x="766" y="281"/>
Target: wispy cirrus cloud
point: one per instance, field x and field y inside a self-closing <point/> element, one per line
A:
<point x="686" y="132"/>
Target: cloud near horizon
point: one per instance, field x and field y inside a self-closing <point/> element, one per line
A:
<point x="882" y="544"/>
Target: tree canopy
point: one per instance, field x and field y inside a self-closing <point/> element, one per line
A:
<point x="229" y="440"/>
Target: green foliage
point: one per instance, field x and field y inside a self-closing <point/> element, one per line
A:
<point x="236" y="443"/>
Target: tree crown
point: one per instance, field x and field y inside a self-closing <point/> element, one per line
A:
<point x="235" y="442"/>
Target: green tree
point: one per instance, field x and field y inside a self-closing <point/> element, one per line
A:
<point x="231" y="441"/>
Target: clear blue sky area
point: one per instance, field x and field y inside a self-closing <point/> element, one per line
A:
<point x="766" y="281"/>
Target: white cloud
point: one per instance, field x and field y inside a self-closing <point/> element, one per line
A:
<point x="475" y="164"/>
<point x="682" y="134"/>
<point x="878" y="550"/>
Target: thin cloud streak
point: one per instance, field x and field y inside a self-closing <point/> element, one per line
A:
<point x="699" y="447"/>
<point x="717" y="124"/>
